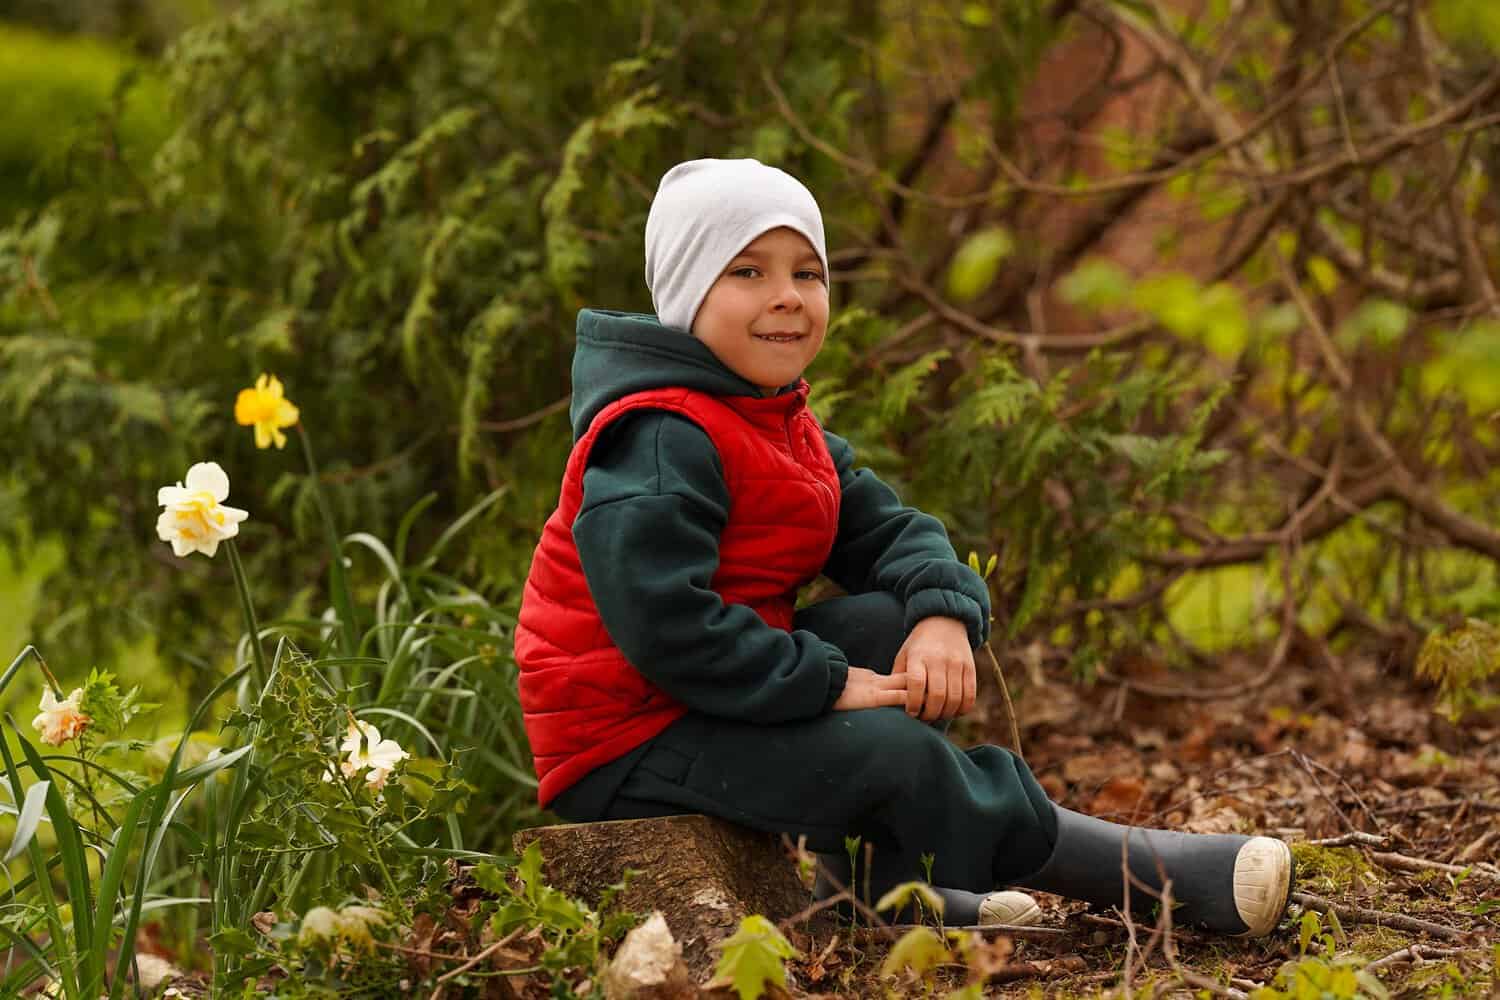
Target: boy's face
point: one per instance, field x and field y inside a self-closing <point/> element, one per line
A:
<point x="766" y="315"/>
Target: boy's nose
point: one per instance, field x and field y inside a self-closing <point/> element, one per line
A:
<point x="786" y="299"/>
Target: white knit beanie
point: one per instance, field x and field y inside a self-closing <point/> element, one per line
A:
<point x="705" y="212"/>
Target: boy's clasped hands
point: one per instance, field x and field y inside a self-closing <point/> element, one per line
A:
<point x="932" y="678"/>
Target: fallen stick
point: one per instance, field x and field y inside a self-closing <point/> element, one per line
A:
<point x="1435" y="806"/>
<point x="1364" y="915"/>
<point x="1353" y="837"/>
<point x="1413" y="953"/>
<point x="1009" y="930"/>
<point x="1402" y="862"/>
<point x="1052" y="968"/>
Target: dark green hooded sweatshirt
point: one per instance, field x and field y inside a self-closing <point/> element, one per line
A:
<point x="654" y="504"/>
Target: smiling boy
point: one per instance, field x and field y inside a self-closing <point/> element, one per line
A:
<point x="664" y="665"/>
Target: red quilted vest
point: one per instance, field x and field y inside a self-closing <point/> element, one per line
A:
<point x="583" y="703"/>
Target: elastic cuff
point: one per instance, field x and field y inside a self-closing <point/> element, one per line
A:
<point x="935" y="603"/>
<point x="838" y="675"/>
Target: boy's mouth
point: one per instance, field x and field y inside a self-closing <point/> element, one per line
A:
<point x="779" y="338"/>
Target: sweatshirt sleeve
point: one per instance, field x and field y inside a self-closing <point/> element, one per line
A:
<point x="885" y="545"/>
<point x="654" y="505"/>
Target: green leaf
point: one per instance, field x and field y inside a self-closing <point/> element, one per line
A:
<point x="529" y="871"/>
<point x="1095" y="284"/>
<point x="1376" y="321"/>
<point x="31" y="817"/>
<point x="920" y="950"/>
<point x="1310" y="927"/>
<point x="1467" y="363"/>
<point x="976" y="15"/>
<point x="977" y="262"/>
<point x="754" y="956"/>
<point x="1323" y="273"/>
<point x="902" y="385"/>
<point x="904" y="893"/>
<point x="1468" y="23"/>
<point x="232" y="941"/>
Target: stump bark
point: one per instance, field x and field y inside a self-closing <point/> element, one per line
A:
<point x="703" y="874"/>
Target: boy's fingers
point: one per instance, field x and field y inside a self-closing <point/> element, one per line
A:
<point x="971" y="685"/>
<point x="937" y="693"/>
<point x="916" y="686"/>
<point x="955" y="705"/>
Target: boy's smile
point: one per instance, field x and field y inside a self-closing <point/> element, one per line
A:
<point x="766" y="315"/>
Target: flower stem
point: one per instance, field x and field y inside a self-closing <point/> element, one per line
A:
<point x="338" y="583"/>
<point x="247" y="609"/>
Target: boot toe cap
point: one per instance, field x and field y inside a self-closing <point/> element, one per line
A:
<point x="1015" y="909"/>
<point x="1262" y="884"/>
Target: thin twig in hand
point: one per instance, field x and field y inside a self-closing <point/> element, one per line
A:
<point x="1010" y="708"/>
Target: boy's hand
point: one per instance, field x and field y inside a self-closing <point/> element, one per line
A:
<point x="866" y="688"/>
<point x="938" y="667"/>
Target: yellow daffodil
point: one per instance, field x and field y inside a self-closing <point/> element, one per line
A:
<point x="265" y="408"/>
<point x="60" y="721"/>
<point x="195" y="519"/>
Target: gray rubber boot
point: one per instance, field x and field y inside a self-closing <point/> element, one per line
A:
<point x="1221" y="882"/>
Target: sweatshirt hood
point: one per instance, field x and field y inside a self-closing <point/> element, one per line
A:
<point x="620" y="353"/>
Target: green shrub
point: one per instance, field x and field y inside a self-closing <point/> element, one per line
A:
<point x="68" y="101"/>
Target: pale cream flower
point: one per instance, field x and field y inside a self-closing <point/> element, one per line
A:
<point x="356" y="923"/>
<point x="60" y="721"/>
<point x="266" y="408"/>
<point x="319" y="924"/>
<point x="195" y="519"/>
<point x="368" y="752"/>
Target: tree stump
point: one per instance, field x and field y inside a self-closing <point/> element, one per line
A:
<point x="703" y="874"/>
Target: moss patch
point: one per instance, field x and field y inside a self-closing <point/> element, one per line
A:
<point x="1329" y="869"/>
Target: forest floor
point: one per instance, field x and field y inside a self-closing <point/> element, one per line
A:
<point x="1325" y="750"/>
<point x="1349" y="751"/>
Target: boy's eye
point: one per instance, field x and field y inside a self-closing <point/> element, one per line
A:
<point x="744" y="271"/>
<point x="810" y="275"/>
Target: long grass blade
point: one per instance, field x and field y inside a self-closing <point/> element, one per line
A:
<point x="31" y="816"/>
<point x="70" y="847"/>
<point x="382" y="553"/>
<point x="67" y="972"/>
<point x="403" y="530"/>
<point x="463" y="521"/>
<point x="154" y="823"/>
<point x="213" y="765"/>
<point x="15" y="666"/>
<point x="113" y="876"/>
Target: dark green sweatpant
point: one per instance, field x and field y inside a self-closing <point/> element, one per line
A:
<point x="876" y="773"/>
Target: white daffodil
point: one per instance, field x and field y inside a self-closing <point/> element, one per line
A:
<point x="195" y="519"/>
<point x="368" y="752"/>
<point x="60" y="721"/>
